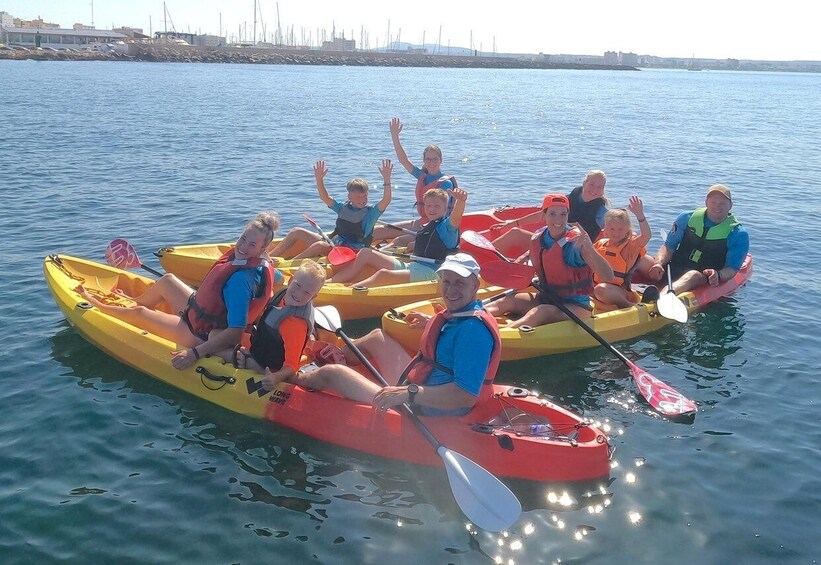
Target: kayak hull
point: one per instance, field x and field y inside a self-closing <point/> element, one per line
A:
<point x="577" y="451"/>
<point x="561" y="337"/>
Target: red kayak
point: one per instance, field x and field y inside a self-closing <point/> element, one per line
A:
<point x="513" y="434"/>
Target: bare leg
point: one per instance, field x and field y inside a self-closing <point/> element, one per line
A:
<point x="513" y="243"/>
<point x="547" y="314"/>
<point x="168" y="289"/>
<point x="168" y="326"/>
<point x="611" y="294"/>
<point x="316" y="249"/>
<point x="364" y="259"/>
<point x="688" y="281"/>
<point x="518" y="303"/>
<point x="386" y="277"/>
<point x="342" y="380"/>
<point x="384" y="351"/>
<point x="296" y="240"/>
<point x="645" y="263"/>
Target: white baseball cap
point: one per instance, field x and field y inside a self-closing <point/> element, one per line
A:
<point x="460" y="263"/>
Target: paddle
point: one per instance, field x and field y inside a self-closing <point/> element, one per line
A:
<point x="416" y="258"/>
<point x="669" y="305"/>
<point x="508" y="275"/>
<point x="659" y="395"/>
<point x="483" y="498"/>
<point x="339" y="254"/>
<point x="122" y="255"/>
<point x="395" y="227"/>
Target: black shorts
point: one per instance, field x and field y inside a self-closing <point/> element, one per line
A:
<point x="267" y="349"/>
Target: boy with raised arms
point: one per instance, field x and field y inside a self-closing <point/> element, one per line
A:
<point x="355" y="218"/>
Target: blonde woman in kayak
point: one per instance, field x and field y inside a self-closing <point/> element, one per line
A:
<point x="213" y="318"/>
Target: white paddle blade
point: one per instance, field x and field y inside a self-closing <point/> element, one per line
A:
<point x="483" y="498"/>
<point x="477" y="239"/>
<point x="327" y="317"/>
<point x="671" y="307"/>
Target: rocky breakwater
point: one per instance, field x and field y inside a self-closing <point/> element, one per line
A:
<point x="187" y="54"/>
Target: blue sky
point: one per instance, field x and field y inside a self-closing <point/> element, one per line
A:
<point x="785" y="30"/>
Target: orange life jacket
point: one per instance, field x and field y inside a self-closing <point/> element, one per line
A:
<point x="624" y="264"/>
<point x="554" y="273"/>
<point x="206" y="309"/>
<point x="421" y="366"/>
<point x="422" y="188"/>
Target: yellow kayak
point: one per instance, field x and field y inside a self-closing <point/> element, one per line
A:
<point x="560" y="337"/>
<point x="191" y="263"/>
<point x="138" y="348"/>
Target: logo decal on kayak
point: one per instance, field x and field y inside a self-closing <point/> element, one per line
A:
<point x="255" y="386"/>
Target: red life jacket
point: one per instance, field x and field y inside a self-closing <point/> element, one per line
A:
<point x="422" y="188"/>
<point x="624" y="264"/>
<point x="554" y="273"/>
<point x="421" y="366"/>
<point x="206" y="310"/>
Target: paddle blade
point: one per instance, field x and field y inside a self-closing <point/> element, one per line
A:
<point x="477" y="239"/>
<point x="671" y="307"/>
<point x="660" y="395"/>
<point x="508" y="275"/>
<point x="479" y="247"/>
<point x="122" y="255"/>
<point x="483" y="498"/>
<point x="340" y="256"/>
<point x="327" y="317"/>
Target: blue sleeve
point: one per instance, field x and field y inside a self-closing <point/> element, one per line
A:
<point x="336" y="206"/>
<point x="448" y="233"/>
<point x="370" y="219"/>
<point x="416" y="172"/>
<point x="472" y="350"/>
<point x="600" y="216"/>
<point x="738" y="245"/>
<point x="237" y="294"/>
<point x="676" y="234"/>
<point x="446" y="185"/>
<point x="279" y="278"/>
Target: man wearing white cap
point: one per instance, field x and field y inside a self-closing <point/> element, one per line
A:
<point x="459" y="354"/>
<point x="705" y="246"/>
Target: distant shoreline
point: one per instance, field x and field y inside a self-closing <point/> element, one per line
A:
<point x="186" y="54"/>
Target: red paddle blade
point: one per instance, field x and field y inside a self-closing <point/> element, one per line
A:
<point x="507" y="275"/>
<point x="340" y="256"/>
<point x="122" y="255"/>
<point x="660" y="395"/>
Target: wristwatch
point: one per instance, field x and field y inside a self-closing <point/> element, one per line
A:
<point x="413" y="388"/>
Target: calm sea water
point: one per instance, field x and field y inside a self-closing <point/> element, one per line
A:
<point x="100" y="463"/>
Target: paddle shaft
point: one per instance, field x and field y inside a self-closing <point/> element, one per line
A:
<point x="406" y="409"/>
<point x="395" y="227"/>
<point x="319" y="230"/>
<point x="570" y="314"/>
<point x="411" y="257"/>
<point x="150" y="270"/>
